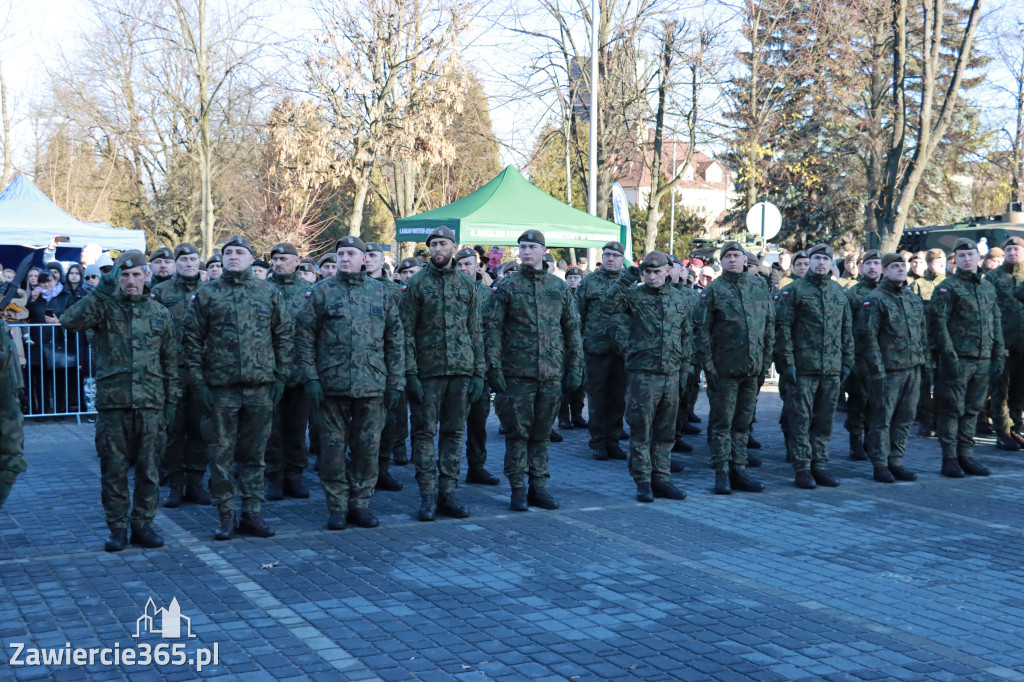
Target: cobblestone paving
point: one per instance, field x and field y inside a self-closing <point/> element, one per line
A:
<point x="867" y="581"/>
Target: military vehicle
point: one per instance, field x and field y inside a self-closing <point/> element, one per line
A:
<point x="709" y="250"/>
<point x="988" y="231"/>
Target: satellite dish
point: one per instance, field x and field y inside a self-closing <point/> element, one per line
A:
<point x="764" y="219"/>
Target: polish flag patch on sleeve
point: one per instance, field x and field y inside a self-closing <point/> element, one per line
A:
<point x="943" y="290"/>
<point x="867" y="304"/>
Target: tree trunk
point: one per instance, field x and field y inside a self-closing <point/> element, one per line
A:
<point x="205" y="148"/>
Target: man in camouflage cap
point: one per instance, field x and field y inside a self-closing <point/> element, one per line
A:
<point x="1007" y="389"/>
<point x="214" y="266"/>
<point x="734" y="326"/>
<point x="185" y="456"/>
<point x="161" y="264"/>
<point x="935" y="261"/>
<point x="814" y="350"/>
<point x="135" y="354"/>
<point x="968" y="333"/>
<point x="237" y="341"/>
<point x="12" y="432"/>
<point x="657" y="362"/>
<point x="444" y="371"/>
<point x="532" y="343"/>
<point x="349" y="339"/>
<point x="856" y="402"/>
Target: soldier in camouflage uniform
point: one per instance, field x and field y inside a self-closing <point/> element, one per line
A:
<point x="286" y="457"/>
<point x="892" y="345"/>
<point x="161" y="263"/>
<point x="185" y="456"/>
<point x="349" y="339"/>
<point x="606" y="370"/>
<point x="327" y="265"/>
<point x="689" y="393"/>
<point x="801" y="264"/>
<point x="237" y="341"/>
<point x="925" y="287"/>
<point x="533" y="341"/>
<point x="814" y="348"/>
<point x="856" y="402"/>
<point x="12" y="433"/>
<point x="136" y="360"/>
<point x="214" y="267"/>
<point x="570" y="416"/>
<point x="968" y="333"/>
<point x="444" y="371"/>
<point x="734" y="326"/>
<point x="1007" y="389"/>
<point x="657" y="362"/>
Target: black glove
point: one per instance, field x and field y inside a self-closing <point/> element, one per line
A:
<point x="414" y="388"/>
<point x="315" y="392"/>
<point x="997" y="368"/>
<point x="571" y="382"/>
<point x="844" y="374"/>
<point x="393" y="395"/>
<point x="276" y="391"/>
<point x="203" y="397"/>
<point x="711" y="374"/>
<point x="475" y="390"/>
<point x="497" y="381"/>
<point x="631" y="275"/>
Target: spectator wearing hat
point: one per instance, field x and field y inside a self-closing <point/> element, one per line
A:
<point x="237" y="345"/>
<point x="533" y="352"/>
<point x="968" y="333"/>
<point x="815" y="353"/>
<point x="136" y="358"/>
<point x="214" y="266"/>
<point x="260" y="269"/>
<point x="1007" y="390"/>
<point x="870" y="267"/>
<point x="658" y="360"/>
<point x="161" y="265"/>
<point x="184" y="459"/>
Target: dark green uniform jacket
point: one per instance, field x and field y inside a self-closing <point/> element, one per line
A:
<point x="532" y="329"/>
<point x="349" y="336"/>
<point x="890" y="331"/>
<point x="293" y="291"/>
<point x="965" y="318"/>
<point x="175" y="294"/>
<point x="133" y="348"/>
<point x="597" y="327"/>
<point x="734" y="325"/>
<point x="813" y="327"/>
<point x="237" y="332"/>
<point x="441" y="319"/>
<point x="660" y="334"/>
<point x="1006" y="279"/>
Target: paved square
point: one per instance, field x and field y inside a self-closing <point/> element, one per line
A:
<point x="867" y="581"/>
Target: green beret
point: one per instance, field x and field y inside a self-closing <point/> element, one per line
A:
<point x="823" y="249"/>
<point x="934" y="254"/>
<point x="731" y="246"/>
<point x="215" y="258"/>
<point x="374" y="247"/>
<point x="130" y="259"/>
<point x="465" y="253"/>
<point x="442" y="232"/>
<point x="534" y="236"/>
<point x="964" y="244"/>
<point x="185" y="249"/>
<point x="890" y="258"/>
<point x="162" y="252"/>
<point x="237" y="240"/>
<point x="351" y="243"/>
<point x="574" y="271"/>
<point x="284" y="249"/>
<point x="800" y="254"/>
<point x="327" y="258"/>
<point x="408" y="263"/>
<point x="655" y="259"/>
<point x="613" y="246"/>
<point x="873" y="254"/>
<point x="1013" y="241"/>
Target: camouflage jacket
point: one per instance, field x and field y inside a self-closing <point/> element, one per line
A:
<point x="349" y="336"/>
<point x="175" y="294"/>
<point x="890" y="329"/>
<point x="660" y="338"/>
<point x="135" y="354"/>
<point x="599" y="329"/>
<point x="813" y="327"/>
<point x="394" y="287"/>
<point x="532" y="328"/>
<point x="293" y="292"/>
<point x="856" y="295"/>
<point x="965" y="319"/>
<point x="11" y="380"/>
<point x="237" y="332"/>
<point x="1007" y="280"/>
<point x="441" y="319"/>
<point x="734" y="326"/>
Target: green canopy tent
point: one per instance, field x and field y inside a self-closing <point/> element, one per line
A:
<point x="498" y="212"/>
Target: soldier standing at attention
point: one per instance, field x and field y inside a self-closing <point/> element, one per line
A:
<point x="407" y="268"/>
<point x="814" y="343"/>
<point x="892" y="345"/>
<point x="856" y="402"/>
<point x="185" y="456"/>
<point x="214" y="267"/>
<point x="688" y="396"/>
<point x="161" y="262"/>
<point x="801" y="264"/>
<point x="349" y="342"/>
<point x="968" y="333"/>
<point x="237" y="341"/>
<point x="328" y="265"/>
<point x="1008" y="387"/>
<point x="606" y="369"/>
<point x="533" y="343"/>
<point x="134" y="352"/>
<point x="12" y="431"/>
<point x="570" y="416"/>
<point x="444" y="371"/>
<point x="924" y="287"/>
<point x="657" y="363"/>
<point x="468" y="262"/>
<point x="286" y="456"/>
<point x="734" y="326"/>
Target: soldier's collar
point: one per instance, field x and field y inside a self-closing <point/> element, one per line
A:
<point x="235" y="277"/>
<point x="351" y="277"/>
<point x="733" y="277"/>
<point x="972" y="276"/>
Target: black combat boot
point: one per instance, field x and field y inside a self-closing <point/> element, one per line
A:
<point x="481" y="476"/>
<point x="540" y="497"/>
<point x="675" y="465"/>
<point x="925" y="431"/>
<point x="740" y="481"/>
<point x="174" y="497"/>
<point x="883" y="475"/>
<point x="643" y="492"/>
<point x="252" y="523"/>
<point x="805" y="480"/>
<point x="1015" y="435"/>
<point x="857" y="452"/>
<point x="688" y="429"/>
<point x="555" y="437"/>
<point x="692" y="418"/>
<point x="951" y="468"/>
<point x="519" y="500"/>
<point x="117" y="541"/>
<point x="667" y="491"/>
<point x="579" y="422"/>
<point x="753" y="461"/>
<point x="984" y="427"/>
<point x="1005" y="441"/>
<point x="385" y="481"/>
<point x="400" y="457"/>
<point x="616" y="452"/>
<point x="449" y="505"/>
<point x="900" y="473"/>
<point x="752" y="444"/>
<point x="226" y="529"/>
<point x="618" y="433"/>
<point x="972" y="468"/>
<point x="428" y="506"/>
<point x="196" y="493"/>
<point x="275" y="487"/>
<point x="363" y="517"/>
<point x="295" y="487"/>
<point x="145" y="536"/>
<point x="681" y="446"/>
<point x="337" y="520"/>
<point x="823" y="477"/>
<point x="565" y="423"/>
<point x="600" y="453"/>
<point x="722" y="483"/>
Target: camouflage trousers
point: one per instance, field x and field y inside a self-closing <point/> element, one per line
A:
<point x="926" y="402"/>
<point x="528" y="412"/>
<point x="350" y="424"/>
<point x="786" y="391"/>
<point x="444" y="403"/>
<point x="185" y="457"/>
<point x="476" y="431"/>
<point x="687" y="400"/>
<point x="572" y="404"/>
<point x="890" y="416"/>
<point x="732" y="411"/>
<point x="959" y="399"/>
<point x="12" y="437"/>
<point x="605" y="381"/>
<point x="1007" y="391"/>
<point x="238" y="429"/>
<point x="286" y="448"/>
<point x="652" y="401"/>
<point x="810" y="423"/>
<point x="394" y="433"/>
<point x="856" y="404"/>
<point x="125" y="439"/>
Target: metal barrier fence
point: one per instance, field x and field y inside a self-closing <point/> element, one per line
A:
<point x="58" y="371"/>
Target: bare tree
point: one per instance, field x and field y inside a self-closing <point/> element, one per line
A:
<point x="1009" y="46"/>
